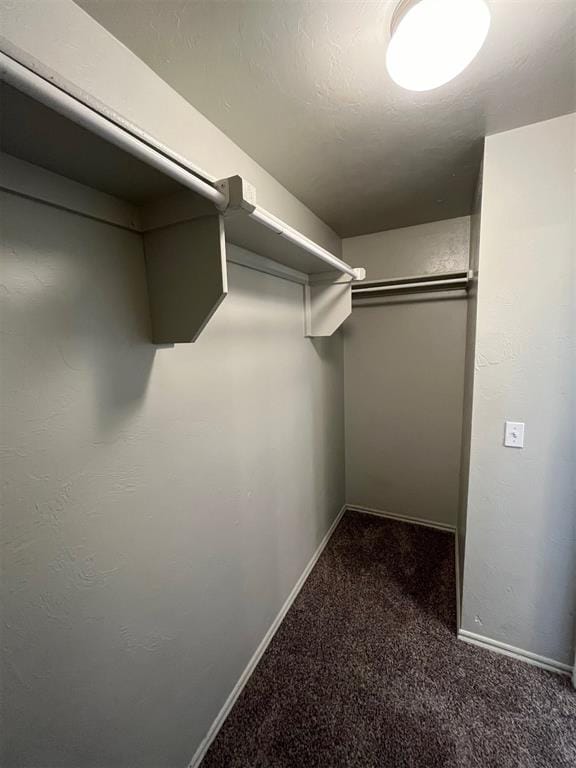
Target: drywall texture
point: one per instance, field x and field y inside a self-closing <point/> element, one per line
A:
<point x="79" y="53"/>
<point x="440" y="246"/>
<point x="159" y="504"/>
<point x="520" y="568"/>
<point x="404" y="368"/>
<point x="470" y="356"/>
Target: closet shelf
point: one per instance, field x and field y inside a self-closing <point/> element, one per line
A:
<point x="130" y="180"/>
<point x="63" y="152"/>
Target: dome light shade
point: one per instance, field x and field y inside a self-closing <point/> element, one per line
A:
<point x="434" y="40"/>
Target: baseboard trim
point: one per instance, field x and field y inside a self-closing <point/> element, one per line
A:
<point x="457" y="580"/>
<point x="401" y="518"/>
<point x="258" y="653"/>
<point x="515" y="653"/>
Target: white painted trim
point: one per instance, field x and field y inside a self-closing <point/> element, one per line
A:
<point x="258" y="653"/>
<point x="457" y="577"/>
<point x="515" y="653"/>
<point x="402" y="518"/>
<point x="31" y="181"/>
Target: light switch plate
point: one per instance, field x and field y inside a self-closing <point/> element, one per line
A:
<point x="514" y="434"/>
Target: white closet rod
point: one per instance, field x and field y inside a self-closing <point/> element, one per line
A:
<point x="49" y="94"/>
<point x="293" y="236"/>
<point x="55" y="98"/>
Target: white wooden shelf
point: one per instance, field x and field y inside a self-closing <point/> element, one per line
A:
<point x="51" y="153"/>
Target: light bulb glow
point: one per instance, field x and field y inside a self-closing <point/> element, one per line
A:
<point x="435" y="40"/>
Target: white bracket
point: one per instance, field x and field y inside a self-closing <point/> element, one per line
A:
<point x="327" y="302"/>
<point x="239" y="195"/>
<point x="186" y="275"/>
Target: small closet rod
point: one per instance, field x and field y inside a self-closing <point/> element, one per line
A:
<point x="440" y="282"/>
<point x="52" y="96"/>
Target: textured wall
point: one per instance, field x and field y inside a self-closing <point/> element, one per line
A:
<point x="404" y="367"/>
<point x="520" y="569"/>
<point x="470" y="356"/>
<point x="159" y="504"/>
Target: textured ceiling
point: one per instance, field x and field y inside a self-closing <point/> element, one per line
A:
<point x="302" y="87"/>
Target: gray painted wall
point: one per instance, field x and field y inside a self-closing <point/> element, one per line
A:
<point x="520" y="569"/>
<point x="404" y="369"/>
<point x="159" y="504"/>
<point x="470" y="356"/>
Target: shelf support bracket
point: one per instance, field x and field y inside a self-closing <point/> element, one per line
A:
<point x="327" y="302"/>
<point x="186" y="275"/>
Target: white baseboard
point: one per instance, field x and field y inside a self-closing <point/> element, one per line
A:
<point x="458" y="584"/>
<point x="516" y="653"/>
<point x="251" y="666"/>
<point x="402" y="518"/>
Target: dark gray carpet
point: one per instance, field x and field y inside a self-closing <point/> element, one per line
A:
<point x="365" y="671"/>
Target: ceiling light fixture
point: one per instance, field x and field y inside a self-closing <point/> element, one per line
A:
<point x="434" y="40"/>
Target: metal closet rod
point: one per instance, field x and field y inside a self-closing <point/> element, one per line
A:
<point x="419" y="283"/>
<point x="52" y="96"/>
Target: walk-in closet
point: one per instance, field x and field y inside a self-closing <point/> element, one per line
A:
<point x="287" y="384"/>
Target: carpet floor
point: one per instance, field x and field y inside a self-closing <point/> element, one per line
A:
<point x="366" y="672"/>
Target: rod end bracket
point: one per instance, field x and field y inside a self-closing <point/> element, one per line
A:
<point x="239" y="195"/>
